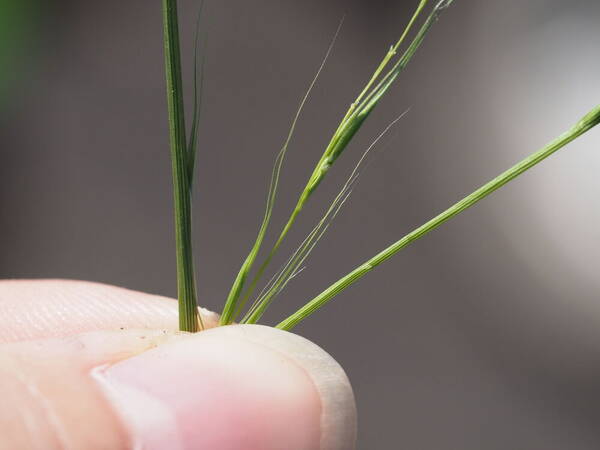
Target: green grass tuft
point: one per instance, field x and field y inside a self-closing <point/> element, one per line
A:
<point x="349" y="126"/>
<point x="183" y="155"/>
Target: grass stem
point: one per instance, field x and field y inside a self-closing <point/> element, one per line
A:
<point x="189" y="319"/>
<point x="352" y="121"/>
<point x="586" y="123"/>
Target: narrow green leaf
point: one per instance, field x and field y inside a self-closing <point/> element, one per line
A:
<point x="198" y="68"/>
<point x="293" y="266"/>
<point x="352" y="122"/>
<point x="189" y="319"/>
<point x="233" y="303"/>
<point x="590" y="120"/>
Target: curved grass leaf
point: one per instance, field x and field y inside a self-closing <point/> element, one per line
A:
<point x="353" y="120"/>
<point x="233" y="303"/>
<point x="294" y="263"/>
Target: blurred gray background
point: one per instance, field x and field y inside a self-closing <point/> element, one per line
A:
<point x="484" y="335"/>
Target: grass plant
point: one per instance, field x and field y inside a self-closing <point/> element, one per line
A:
<point x="233" y="306"/>
<point x="183" y="158"/>
<point x="352" y="121"/>
<point x="183" y="155"/>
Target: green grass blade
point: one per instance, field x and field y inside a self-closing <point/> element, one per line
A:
<point x="389" y="55"/>
<point x="233" y="304"/>
<point x="586" y="123"/>
<point x="352" y="122"/>
<point x="380" y="89"/>
<point x="292" y="267"/>
<point x="189" y="319"/>
<point x="198" y="67"/>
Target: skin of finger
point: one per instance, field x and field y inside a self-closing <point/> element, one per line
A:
<point x="36" y="309"/>
<point x="223" y="390"/>
<point x="338" y="423"/>
<point x="94" y="306"/>
<point x="49" y="400"/>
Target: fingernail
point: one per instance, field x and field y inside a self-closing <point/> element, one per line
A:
<point x="236" y="387"/>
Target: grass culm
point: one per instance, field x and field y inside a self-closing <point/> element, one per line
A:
<point x="245" y="283"/>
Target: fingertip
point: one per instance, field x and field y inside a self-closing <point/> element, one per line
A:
<point x="241" y="386"/>
<point x="338" y="408"/>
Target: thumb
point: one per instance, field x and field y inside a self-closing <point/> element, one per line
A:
<point x="236" y="387"/>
